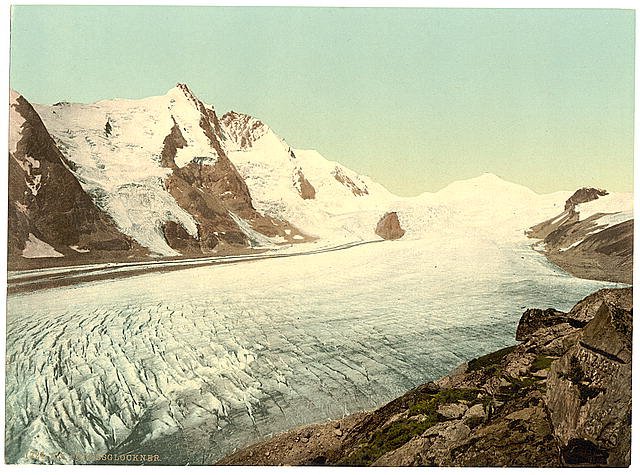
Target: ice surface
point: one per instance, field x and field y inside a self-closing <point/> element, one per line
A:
<point x="257" y="240"/>
<point x="80" y="250"/>
<point x="612" y="219"/>
<point x="258" y="347"/>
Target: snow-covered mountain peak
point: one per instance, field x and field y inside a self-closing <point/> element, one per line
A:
<point x="486" y="179"/>
<point x="116" y="149"/>
<point x="180" y="92"/>
<point x="185" y="90"/>
<point x="487" y="187"/>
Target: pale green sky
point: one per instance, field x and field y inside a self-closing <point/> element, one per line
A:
<point x="415" y="98"/>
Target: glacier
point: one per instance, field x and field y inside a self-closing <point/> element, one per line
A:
<point x="247" y="349"/>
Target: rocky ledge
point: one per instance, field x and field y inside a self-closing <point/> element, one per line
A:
<point x="559" y="398"/>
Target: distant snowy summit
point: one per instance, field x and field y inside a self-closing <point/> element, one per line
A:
<point x="166" y="176"/>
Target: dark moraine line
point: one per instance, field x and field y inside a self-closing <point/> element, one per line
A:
<point x="49" y="279"/>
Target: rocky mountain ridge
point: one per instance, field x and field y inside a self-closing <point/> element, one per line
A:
<point x="593" y="237"/>
<point x="159" y="170"/>
<point x="176" y="180"/>
<point x="559" y="398"/>
<point x="49" y="213"/>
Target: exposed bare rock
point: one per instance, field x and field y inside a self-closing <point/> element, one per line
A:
<point x="589" y="392"/>
<point x="521" y="438"/>
<point x="534" y="319"/>
<point x="584" y="195"/>
<point x="171" y="144"/>
<point x="243" y="129"/>
<point x="214" y="192"/>
<point x="588" y="307"/>
<point x="475" y="412"/>
<point x="431" y="448"/>
<point x="552" y="341"/>
<point x="308" y="445"/>
<point x="305" y="189"/>
<point x="179" y="239"/>
<point x="47" y="201"/>
<point x="340" y="176"/>
<point x="604" y="255"/>
<point x="389" y="226"/>
<point x="452" y="411"/>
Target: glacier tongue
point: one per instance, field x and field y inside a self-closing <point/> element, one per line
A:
<point x="257" y="347"/>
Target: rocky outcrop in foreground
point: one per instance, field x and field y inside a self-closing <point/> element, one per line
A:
<point x="560" y="398"/>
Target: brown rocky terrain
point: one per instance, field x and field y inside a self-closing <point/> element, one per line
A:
<point x="341" y="177"/>
<point x="243" y="129"/>
<point x="559" y="398"/>
<point x="305" y="189"/>
<point x="47" y="201"/>
<point x="602" y="253"/>
<point x="389" y="226"/>
<point x="583" y="195"/>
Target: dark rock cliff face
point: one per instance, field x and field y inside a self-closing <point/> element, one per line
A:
<point x="389" y="226"/>
<point x="589" y="396"/>
<point x="560" y="398"/>
<point x="47" y="201"/>
<point x="583" y="247"/>
<point x="535" y="319"/>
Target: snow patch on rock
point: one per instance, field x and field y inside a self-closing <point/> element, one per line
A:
<point x="35" y="248"/>
<point x="617" y="207"/>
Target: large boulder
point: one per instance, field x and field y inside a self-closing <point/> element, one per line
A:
<point x="389" y="226"/>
